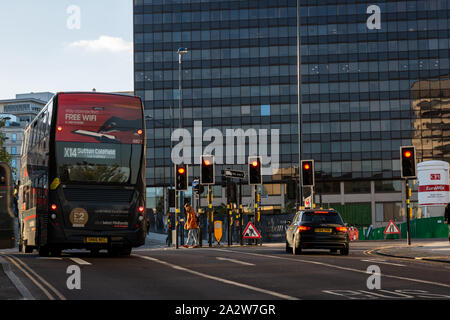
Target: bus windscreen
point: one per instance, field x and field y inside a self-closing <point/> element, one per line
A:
<point x="99" y="138"/>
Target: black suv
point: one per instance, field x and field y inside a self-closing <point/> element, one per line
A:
<point x="317" y="229"/>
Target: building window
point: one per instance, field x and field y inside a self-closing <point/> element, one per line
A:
<point x="388" y="186"/>
<point x="357" y="187"/>
<point x="387" y="211"/>
<point x="265" y="110"/>
<point x="328" y="187"/>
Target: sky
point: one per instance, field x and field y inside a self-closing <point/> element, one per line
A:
<point x="60" y="45"/>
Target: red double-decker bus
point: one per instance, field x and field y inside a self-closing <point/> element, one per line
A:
<point x="83" y="175"/>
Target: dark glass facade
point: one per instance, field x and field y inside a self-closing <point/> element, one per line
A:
<point x="240" y="72"/>
<point x="365" y="91"/>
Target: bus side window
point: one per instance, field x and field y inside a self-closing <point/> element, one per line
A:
<point x="26" y="198"/>
<point x="2" y="177"/>
<point x="25" y="143"/>
<point x="32" y="135"/>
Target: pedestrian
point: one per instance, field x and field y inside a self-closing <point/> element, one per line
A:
<point x="447" y="219"/>
<point x="191" y="225"/>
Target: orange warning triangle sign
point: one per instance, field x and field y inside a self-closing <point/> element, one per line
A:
<point x="392" y="228"/>
<point x="251" y="232"/>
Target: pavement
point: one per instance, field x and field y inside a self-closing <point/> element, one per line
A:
<point x="159" y="240"/>
<point x="421" y="249"/>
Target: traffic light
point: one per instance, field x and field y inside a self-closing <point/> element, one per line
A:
<point x="171" y="198"/>
<point x="198" y="188"/>
<point x="307" y="173"/>
<point x="292" y="190"/>
<point x="254" y="170"/>
<point x="408" y="161"/>
<point x="231" y="192"/>
<point x="181" y="177"/>
<point x="207" y="170"/>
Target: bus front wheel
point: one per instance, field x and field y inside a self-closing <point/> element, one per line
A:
<point x="125" y="251"/>
<point x="44" y="251"/>
<point x="26" y="248"/>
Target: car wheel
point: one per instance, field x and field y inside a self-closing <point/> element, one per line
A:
<point x="344" y="252"/>
<point x="288" y="248"/>
<point x="296" y="250"/>
<point x="333" y="250"/>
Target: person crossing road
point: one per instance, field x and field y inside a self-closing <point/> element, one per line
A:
<point x="191" y="225"/>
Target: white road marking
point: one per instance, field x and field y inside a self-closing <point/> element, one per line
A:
<point x="48" y="258"/>
<point x="33" y="276"/>
<point x="80" y="261"/>
<point x="26" y="294"/>
<point x="337" y="267"/>
<point x="380" y="261"/>
<point x="236" y="261"/>
<point x="230" y="282"/>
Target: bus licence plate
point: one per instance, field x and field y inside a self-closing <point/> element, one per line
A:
<point x="96" y="240"/>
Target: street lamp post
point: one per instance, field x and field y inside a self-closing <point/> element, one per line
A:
<point x="181" y="52"/>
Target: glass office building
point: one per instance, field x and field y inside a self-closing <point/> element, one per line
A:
<point x="373" y="77"/>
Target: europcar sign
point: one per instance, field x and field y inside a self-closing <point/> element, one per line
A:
<point x="433" y="179"/>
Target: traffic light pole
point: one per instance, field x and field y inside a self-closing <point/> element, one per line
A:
<point x="408" y="209"/>
<point x="256" y="209"/>
<point x="200" y="218"/>
<point x="210" y="217"/>
<point x="176" y="220"/>
<point x="241" y="213"/>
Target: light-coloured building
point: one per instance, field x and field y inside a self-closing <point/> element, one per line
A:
<point x="19" y="112"/>
<point x="13" y="133"/>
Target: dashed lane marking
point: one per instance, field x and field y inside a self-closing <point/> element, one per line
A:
<point x="80" y="261"/>
<point x="229" y="282"/>
<point x="380" y="261"/>
<point x="337" y="267"/>
<point x="235" y="261"/>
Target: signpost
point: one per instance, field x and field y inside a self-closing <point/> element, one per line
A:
<point x="233" y="173"/>
<point x="251" y="232"/>
<point x="392" y="228"/>
<point x="218" y="230"/>
<point x="434" y="186"/>
<point x="237" y="174"/>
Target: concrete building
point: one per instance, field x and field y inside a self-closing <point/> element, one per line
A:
<point x="20" y="112"/>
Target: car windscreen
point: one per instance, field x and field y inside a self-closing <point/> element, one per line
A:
<point x="323" y="217"/>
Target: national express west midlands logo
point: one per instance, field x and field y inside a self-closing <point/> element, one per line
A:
<point x="224" y="148"/>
